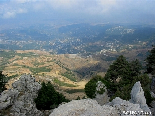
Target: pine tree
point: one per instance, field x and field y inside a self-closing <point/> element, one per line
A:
<point x="119" y="69"/>
<point x="48" y="98"/>
<point x="151" y="62"/>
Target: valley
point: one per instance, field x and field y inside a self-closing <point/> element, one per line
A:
<point x="69" y="55"/>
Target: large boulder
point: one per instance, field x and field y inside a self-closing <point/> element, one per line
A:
<point x="89" y="107"/>
<point x="20" y="99"/>
<point x="7" y="98"/>
<point x="84" y="107"/>
<point x="137" y="97"/>
<point x="124" y="107"/>
<point x="101" y="98"/>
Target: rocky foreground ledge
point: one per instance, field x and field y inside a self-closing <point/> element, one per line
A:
<point x="118" y="107"/>
<point x="19" y="101"/>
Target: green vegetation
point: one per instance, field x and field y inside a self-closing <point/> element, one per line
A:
<point x="61" y="65"/>
<point x="78" y="98"/>
<point x="90" y="87"/>
<point x="122" y="75"/>
<point x="13" y="76"/>
<point x="39" y="69"/>
<point x="3" y="81"/>
<point x="151" y="62"/>
<point x="6" y="55"/>
<point x="29" y="54"/>
<point x="119" y="80"/>
<point x="71" y="91"/>
<point x="61" y="83"/>
<point x="38" y="63"/>
<point x="69" y="75"/>
<point x="48" y="98"/>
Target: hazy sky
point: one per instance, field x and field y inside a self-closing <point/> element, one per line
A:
<point x="113" y="11"/>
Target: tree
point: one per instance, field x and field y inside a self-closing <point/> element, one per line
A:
<point x="48" y="98"/>
<point x="150" y="66"/>
<point x="3" y="81"/>
<point x="122" y="75"/>
<point x="120" y="68"/>
<point x="135" y="67"/>
<point x="90" y="87"/>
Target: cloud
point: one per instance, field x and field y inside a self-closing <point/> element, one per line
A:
<point x="23" y="1"/>
<point x="13" y="13"/>
<point x="78" y="8"/>
<point x="62" y="4"/>
<point x="20" y="10"/>
<point x="9" y="15"/>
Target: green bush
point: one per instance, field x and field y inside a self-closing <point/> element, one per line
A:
<point x="90" y="87"/>
<point x="48" y="98"/>
<point x="61" y="83"/>
<point x="3" y="81"/>
<point x="71" y="91"/>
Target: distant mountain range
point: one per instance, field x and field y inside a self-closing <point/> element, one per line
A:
<point x="78" y="38"/>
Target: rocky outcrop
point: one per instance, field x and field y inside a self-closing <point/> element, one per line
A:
<point x="7" y="98"/>
<point x="101" y="98"/>
<point x="118" y="107"/>
<point x="20" y="98"/>
<point x="124" y="107"/>
<point x="137" y="97"/>
<point x="85" y="107"/>
<point x="89" y="107"/>
<point x="20" y="102"/>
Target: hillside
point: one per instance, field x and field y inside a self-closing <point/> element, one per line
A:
<point x="61" y="70"/>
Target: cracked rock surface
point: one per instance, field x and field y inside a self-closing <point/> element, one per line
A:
<point x="21" y="97"/>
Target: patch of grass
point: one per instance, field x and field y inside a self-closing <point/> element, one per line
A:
<point x="13" y="76"/>
<point x="38" y="63"/>
<point x="29" y="54"/>
<point x="61" y="83"/>
<point x="71" y="91"/>
<point x="40" y="69"/>
<point x="69" y="75"/>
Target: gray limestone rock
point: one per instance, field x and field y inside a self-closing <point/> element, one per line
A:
<point x="137" y="97"/>
<point x="125" y="107"/>
<point x="85" y="107"/>
<point x="7" y="98"/>
<point x="153" y="108"/>
<point x="101" y="98"/>
<point x="21" y="97"/>
<point x="117" y="107"/>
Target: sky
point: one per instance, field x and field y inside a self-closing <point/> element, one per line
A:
<point x="77" y="11"/>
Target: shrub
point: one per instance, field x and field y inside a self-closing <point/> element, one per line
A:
<point x="90" y="87"/>
<point x="48" y="98"/>
<point x="3" y="81"/>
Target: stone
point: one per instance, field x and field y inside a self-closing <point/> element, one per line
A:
<point x="125" y="107"/>
<point x="152" y="94"/>
<point x="7" y="98"/>
<point x="84" y="107"/>
<point x="101" y="98"/>
<point x="21" y="97"/>
<point x="137" y="97"/>
<point x="153" y="108"/>
<point x="117" y="107"/>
